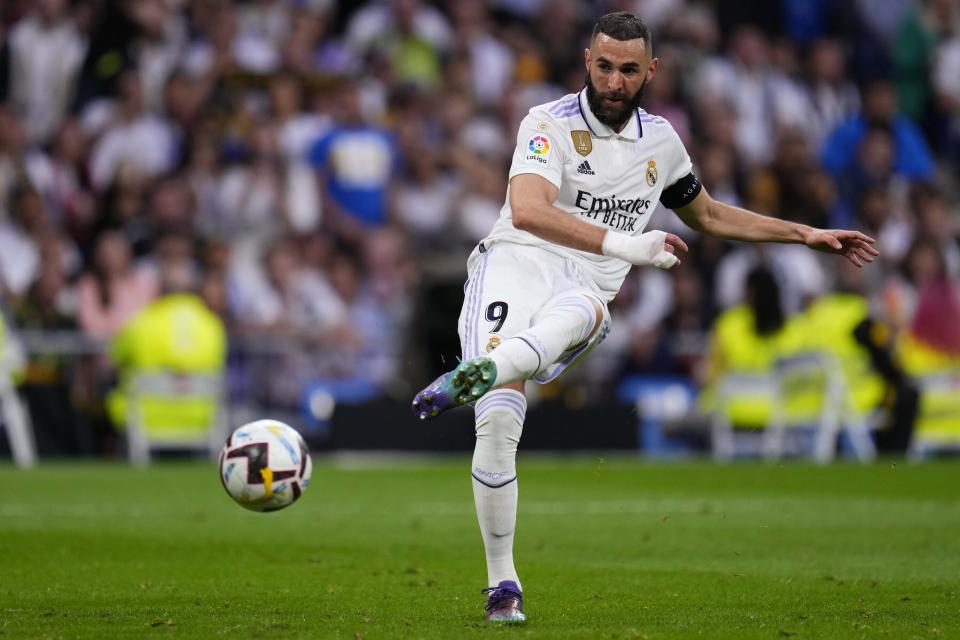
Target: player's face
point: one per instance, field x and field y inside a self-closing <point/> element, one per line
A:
<point x="617" y="71"/>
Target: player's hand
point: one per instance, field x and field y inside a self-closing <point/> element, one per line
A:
<point x="852" y="245"/>
<point x="655" y="248"/>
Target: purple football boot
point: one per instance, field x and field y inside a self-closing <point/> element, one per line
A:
<point x="468" y="382"/>
<point x="505" y="603"/>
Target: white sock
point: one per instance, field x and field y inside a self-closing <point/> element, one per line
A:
<point x="500" y="416"/>
<point x="564" y="322"/>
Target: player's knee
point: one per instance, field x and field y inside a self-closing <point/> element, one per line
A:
<point x="593" y="317"/>
<point x="499" y="429"/>
<point x="499" y="420"/>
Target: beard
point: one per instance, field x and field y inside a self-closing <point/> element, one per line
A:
<point x="613" y="116"/>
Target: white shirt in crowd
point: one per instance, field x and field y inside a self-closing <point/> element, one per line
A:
<point x="45" y="60"/>
<point x="146" y="143"/>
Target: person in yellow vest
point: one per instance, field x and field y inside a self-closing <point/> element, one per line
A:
<point x="749" y="339"/>
<point x="840" y="323"/>
<point x="176" y="333"/>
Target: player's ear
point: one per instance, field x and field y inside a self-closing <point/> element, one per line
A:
<point x="652" y="69"/>
<point x="586" y="58"/>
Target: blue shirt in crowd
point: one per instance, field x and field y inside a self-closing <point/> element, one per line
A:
<point x="358" y="163"/>
<point x="912" y="157"/>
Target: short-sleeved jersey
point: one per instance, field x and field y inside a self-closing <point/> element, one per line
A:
<point x="608" y="179"/>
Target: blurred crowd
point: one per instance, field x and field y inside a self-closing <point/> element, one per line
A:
<point x="316" y="166"/>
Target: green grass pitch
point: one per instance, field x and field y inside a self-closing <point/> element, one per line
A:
<point x="613" y="548"/>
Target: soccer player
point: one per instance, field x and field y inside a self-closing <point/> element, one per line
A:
<point x="586" y="175"/>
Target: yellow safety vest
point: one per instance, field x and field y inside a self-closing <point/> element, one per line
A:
<point x="176" y="333"/>
<point x="830" y="324"/>
<point x="736" y="348"/>
<point x="939" y="377"/>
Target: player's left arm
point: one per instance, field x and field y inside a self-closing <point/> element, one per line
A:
<point x="725" y="221"/>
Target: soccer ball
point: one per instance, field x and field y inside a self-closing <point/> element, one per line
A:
<point x="265" y="465"/>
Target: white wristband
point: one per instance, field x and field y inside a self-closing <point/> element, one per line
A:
<point x="617" y="245"/>
<point x="647" y="248"/>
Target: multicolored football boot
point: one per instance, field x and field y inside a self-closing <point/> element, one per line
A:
<point x="468" y="382"/>
<point x="505" y="603"/>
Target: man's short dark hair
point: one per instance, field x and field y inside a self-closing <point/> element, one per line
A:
<point x="622" y="25"/>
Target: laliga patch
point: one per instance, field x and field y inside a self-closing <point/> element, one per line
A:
<point x="538" y="148"/>
<point x="582" y="142"/>
<point x="493" y="343"/>
<point x="651" y="172"/>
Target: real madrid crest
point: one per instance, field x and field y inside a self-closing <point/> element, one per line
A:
<point x="651" y="172"/>
<point x="493" y="343"/>
<point x="582" y="142"/>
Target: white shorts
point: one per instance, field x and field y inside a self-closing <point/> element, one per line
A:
<point x="509" y="286"/>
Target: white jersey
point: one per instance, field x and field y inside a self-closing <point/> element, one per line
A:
<point x="608" y="179"/>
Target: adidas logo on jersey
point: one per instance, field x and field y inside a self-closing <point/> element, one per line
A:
<point x="585" y="169"/>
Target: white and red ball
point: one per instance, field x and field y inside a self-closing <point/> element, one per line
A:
<point x="265" y="465"/>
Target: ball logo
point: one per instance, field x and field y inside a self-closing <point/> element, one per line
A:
<point x="539" y="145"/>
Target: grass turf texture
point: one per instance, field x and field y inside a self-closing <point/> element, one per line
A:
<point x="606" y="549"/>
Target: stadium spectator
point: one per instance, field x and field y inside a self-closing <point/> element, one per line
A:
<point x="946" y="86"/>
<point x="937" y="311"/>
<point x="833" y="96"/>
<point x="133" y="139"/>
<point x="410" y="31"/>
<point x="296" y="128"/>
<point x="491" y="61"/>
<point x="922" y="265"/>
<point x="425" y="198"/>
<point x="914" y="48"/>
<point x="793" y="186"/>
<point x="478" y="206"/>
<point x="175" y="333"/>
<point x="223" y="47"/>
<point x="840" y="325"/>
<point x="664" y="98"/>
<point x="19" y="242"/>
<point x="930" y="346"/>
<point x="912" y="158"/>
<point x="45" y="51"/>
<point x="252" y="192"/>
<point x="936" y="223"/>
<point x="673" y="342"/>
<point x="800" y="276"/>
<point x="356" y="161"/>
<point x="379" y="303"/>
<point x="873" y="167"/>
<point x="13" y="146"/>
<point x="288" y="299"/>
<point x="763" y="97"/>
<point x="46" y="382"/>
<point x="61" y="177"/>
<point x="749" y="339"/>
<point x="886" y="218"/>
<point x="112" y="290"/>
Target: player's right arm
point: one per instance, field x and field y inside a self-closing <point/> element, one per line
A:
<point x="531" y="201"/>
